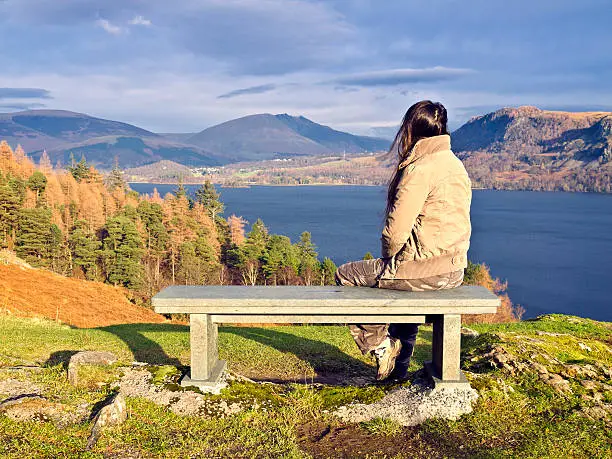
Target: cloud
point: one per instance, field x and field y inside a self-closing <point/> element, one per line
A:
<point x="265" y="37"/>
<point x="139" y="20"/>
<point x="108" y="27"/>
<point x="20" y="106"/>
<point x="250" y="90"/>
<point x="395" y="77"/>
<point x="24" y="93"/>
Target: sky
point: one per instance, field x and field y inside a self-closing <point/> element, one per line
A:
<point x="355" y="65"/>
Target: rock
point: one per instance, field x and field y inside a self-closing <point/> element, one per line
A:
<point x="582" y="371"/>
<point x="31" y="407"/>
<point x="468" y="332"/>
<point x="584" y="347"/>
<point x="14" y="387"/>
<point x="413" y="405"/>
<point x="589" y="385"/>
<point x="87" y="358"/>
<point x="556" y="382"/>
<point x="595" y="385"/>
<point x="137" y="382"/>
<point x="112" y="414"/>
<point x="541" y="369"/>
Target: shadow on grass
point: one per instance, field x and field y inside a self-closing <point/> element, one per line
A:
<point x="143" y="348"/>
<point x="59" y="357"/>
<point x="331" y="365"/>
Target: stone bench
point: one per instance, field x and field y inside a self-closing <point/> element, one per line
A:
<point x="211" y="305"/>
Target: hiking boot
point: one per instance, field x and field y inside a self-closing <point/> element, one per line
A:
<point x="385" y="356"/>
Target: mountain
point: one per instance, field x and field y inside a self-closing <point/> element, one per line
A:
<point x="63" y="133"/>
<point x="265" y="136"/>
<point x="529" y="148"/>
<point x="131" y="151"/>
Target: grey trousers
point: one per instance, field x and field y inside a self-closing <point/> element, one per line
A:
<point x="365" y="273"/>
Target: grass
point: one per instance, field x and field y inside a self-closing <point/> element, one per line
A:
<point x="517" y="414"/>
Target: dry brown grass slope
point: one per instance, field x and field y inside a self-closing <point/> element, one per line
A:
<point x="32" y="292"/>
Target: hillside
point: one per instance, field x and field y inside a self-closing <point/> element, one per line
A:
<point x="265" y="136"/>
<point x="528" y="148"/>
<point x="33" y="292"/>
<point x="544" y="391"/>
<point x="130" y="151"/>
<point x="160" y="172"/>
<point x="63" y="133"/>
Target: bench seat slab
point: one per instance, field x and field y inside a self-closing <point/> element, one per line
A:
<point x="315" y="319"/>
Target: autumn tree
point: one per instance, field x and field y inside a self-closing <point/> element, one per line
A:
<point x="236" y="229"/>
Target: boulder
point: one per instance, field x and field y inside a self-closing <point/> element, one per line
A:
<point x="112" y="414"/>
<point x="87" y="358"/>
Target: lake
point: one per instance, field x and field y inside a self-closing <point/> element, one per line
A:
<point x="554" y="249"/>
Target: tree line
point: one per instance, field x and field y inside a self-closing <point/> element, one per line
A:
<point x="77" y="222"/>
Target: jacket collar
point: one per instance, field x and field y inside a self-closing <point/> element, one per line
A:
<point x="427" y="146"/>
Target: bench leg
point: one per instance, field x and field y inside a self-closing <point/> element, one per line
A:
<point x="446" y="348"/>
<point x="206" y="368"/>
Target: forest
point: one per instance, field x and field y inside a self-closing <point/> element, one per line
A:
<point x="77" y="222"/>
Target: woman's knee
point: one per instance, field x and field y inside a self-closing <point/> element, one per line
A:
<point x="340" y="275"/>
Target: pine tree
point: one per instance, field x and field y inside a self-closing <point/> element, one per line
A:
<point x="115" y="179"/>
<point x="156" y="240"/>
<point x="210" y="198"/>
<point x="180" y="191"/>
<point x="309" y="264"/>
<point x="328" y="271"/>
<point x="252" y="251"/>
<point x="85" y="249"/>
<point x="34" y="236"/>
<point x="12" y="194"/>
<point x="122" y="251"/>
<point x="280" y="255"/>
<point x="37" y="183"/>
<point x="81" y="170"/>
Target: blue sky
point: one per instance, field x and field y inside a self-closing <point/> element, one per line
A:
<point x="356" y="65"/>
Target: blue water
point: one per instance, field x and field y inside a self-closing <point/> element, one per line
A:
<point x="554" y="249"/>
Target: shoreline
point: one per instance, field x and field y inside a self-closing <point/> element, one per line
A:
<point x="362" y="185"/>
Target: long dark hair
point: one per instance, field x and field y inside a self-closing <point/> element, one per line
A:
<point x="423" y="119"/>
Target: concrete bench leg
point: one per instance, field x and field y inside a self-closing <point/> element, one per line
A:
<point x="206" y="368"/>
<point x="444" y="368"/>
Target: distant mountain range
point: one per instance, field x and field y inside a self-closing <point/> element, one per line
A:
<point x="528" y="148"/>
<point x="260" y="137"/>
<point x="252" y="138"/>
<point x="523" y="148"/>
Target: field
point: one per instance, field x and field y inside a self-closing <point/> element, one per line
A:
<point x="523" y="409"/>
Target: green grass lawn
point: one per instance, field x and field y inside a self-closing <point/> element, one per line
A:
<point x="517" y="415"/>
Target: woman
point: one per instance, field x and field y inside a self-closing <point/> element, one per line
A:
<point x="426" y="234"/>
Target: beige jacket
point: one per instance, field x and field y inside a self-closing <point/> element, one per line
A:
<point x="427" y="232"/>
